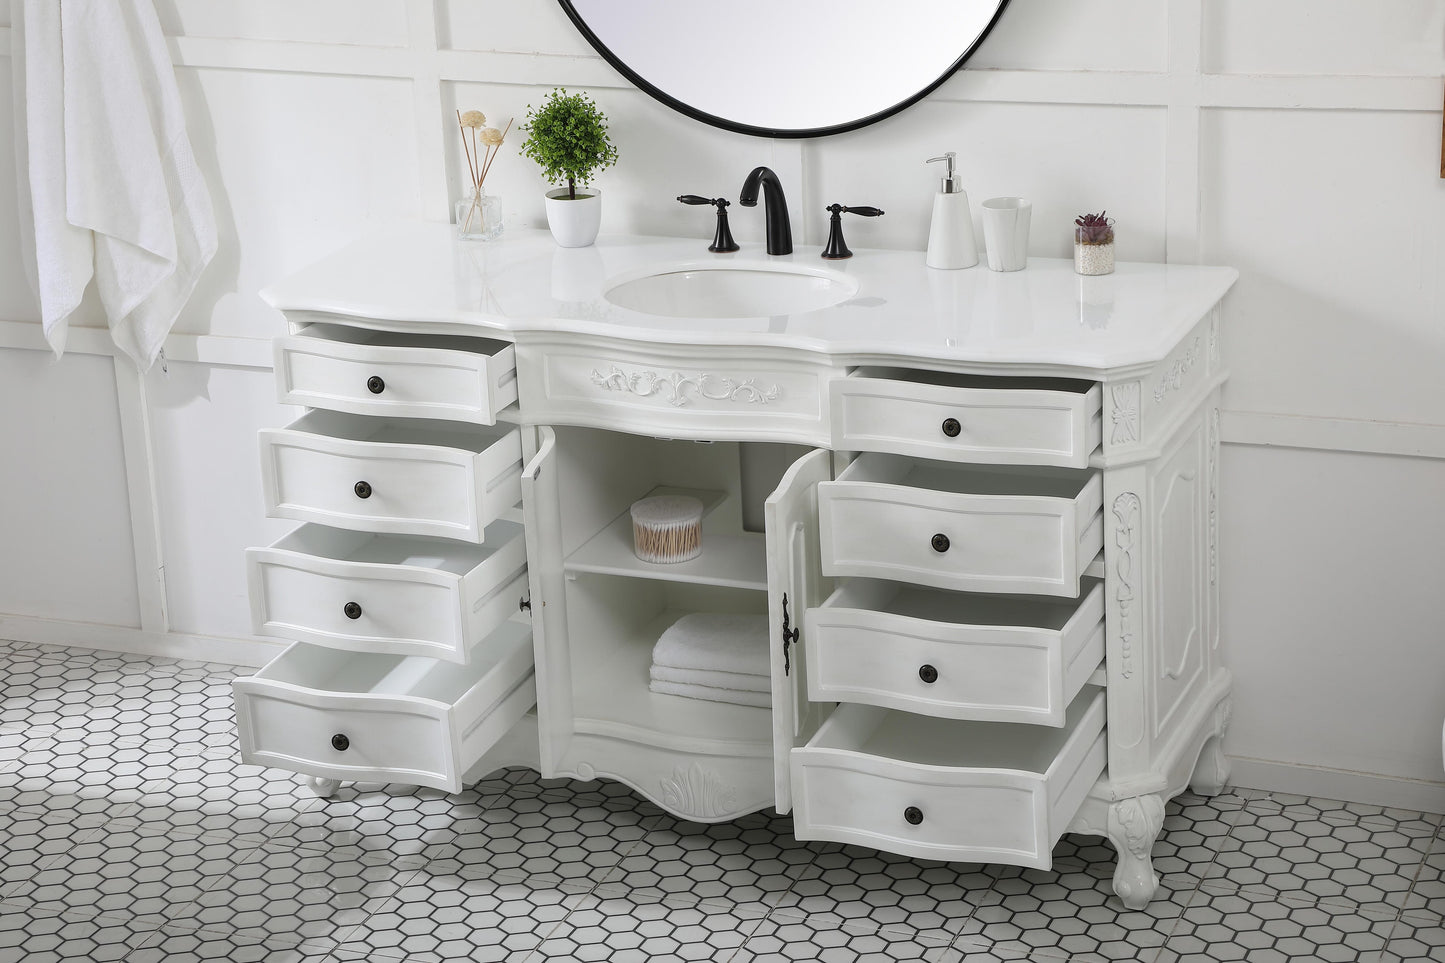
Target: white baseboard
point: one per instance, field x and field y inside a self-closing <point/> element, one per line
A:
<point x="120" y="638"/>
<point x="1361" y="787"/>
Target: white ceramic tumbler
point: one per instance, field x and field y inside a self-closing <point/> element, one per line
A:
<point x="1006" y="232"/>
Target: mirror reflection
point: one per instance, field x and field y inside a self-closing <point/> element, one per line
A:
<point x="794" y="69"/>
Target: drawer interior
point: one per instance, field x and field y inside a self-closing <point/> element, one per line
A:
<point x="946" y="743"/>
<point x="960" y="479"/>
<point x="401" y="431"/>
<point x="947" y="379"/>
<point x="414" y="677"/>
<point x="394" y="339"/>
<point x="959" y="608"/>
<point x="442" y="555"/>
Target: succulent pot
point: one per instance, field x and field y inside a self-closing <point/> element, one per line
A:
<point x="1094" y="250"/>
<point x="574" y="222"/>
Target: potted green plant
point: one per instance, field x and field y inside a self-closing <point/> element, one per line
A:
<point x="567" y="137"/>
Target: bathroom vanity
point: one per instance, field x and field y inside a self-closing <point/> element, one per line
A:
<point x="978" y="509"/>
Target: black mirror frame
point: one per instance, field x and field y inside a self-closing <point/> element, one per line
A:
<point x="740" y="128"/>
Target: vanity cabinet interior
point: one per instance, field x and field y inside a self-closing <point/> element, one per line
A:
<point x="987" y="569"/>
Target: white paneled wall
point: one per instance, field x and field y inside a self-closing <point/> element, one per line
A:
<point x="1295" y="139"/>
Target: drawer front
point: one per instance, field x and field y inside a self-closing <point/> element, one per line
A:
<point x="949" y="669"/>
<point x="415" y="721"/>
<point x="1023" y="426"/>
<point x="318" y="369"/>
<point x="696" y="391"/>
<point x="935" y="812"/>
<point x="978" y="543"/>
<point x="400" y="489"/>
<point x="304" y="733"/>
<point x="383" y="608"/>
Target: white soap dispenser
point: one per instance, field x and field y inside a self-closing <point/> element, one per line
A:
<point x="950" y="236"/>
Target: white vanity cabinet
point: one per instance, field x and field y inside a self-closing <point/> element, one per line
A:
<point x="979" y="521"/>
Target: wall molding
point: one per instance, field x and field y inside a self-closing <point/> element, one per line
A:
<point x="1363" y="787"/>
<point x="1269" y="430"/>
<point x="138" y="641"/>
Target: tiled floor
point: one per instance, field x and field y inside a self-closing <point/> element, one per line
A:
<point x="130" y="831"/>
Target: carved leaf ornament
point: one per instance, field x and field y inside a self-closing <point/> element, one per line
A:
<point x="679" y="389"/>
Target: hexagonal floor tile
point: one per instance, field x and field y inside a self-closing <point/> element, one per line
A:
<point x="436" y="918"/>
<point x="1260" y="928"/>
<point x="293" y="895"/>
<point x="77" y="778"/>
<point x="1308" y="808"/>
<point x="31" y="936"/>
<point x="1290" y="855"/>
<point x="784" y="939"/>
<point x="28" y="840"/>
<point x="1427" y="896"/>
<point x="1419" y="937"/>
<point x="138" y="872"/>
<point x="175" y="945"/>
<point x="865" y="889"/>
<point x="204" y="794"/>
<point x="392" y="821"/>
<point x="747" y="863"/>
<point x="548" y="842"/>
<point x="624" y="930"/>
<point x="1069" y="912"/>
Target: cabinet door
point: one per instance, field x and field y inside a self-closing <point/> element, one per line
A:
<point x="795" y="584"/>
<point x="542" y="518"/>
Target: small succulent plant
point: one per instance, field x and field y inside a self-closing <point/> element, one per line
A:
<point x="1094" y="228"/>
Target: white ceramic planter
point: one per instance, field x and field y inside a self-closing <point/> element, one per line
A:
<point x="574" y="223"/>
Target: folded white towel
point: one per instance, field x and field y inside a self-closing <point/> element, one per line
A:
<point x="717" y="642"/>
<point x="722" y="680"/>
<point x="708" y="693"/>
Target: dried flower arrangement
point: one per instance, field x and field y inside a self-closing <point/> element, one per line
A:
<point x="1094" y="228"/>
<point x="481" y="147"/>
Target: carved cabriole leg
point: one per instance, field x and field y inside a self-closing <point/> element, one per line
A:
<point x="1134" y="824"/>
<point x="1211" y="772"/>
<point x="322" y="786"/>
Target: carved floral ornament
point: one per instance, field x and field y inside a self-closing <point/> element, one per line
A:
<point x="1173" y="376"/>
<point x="693" y="791"/>
<point x="679" y="388"/>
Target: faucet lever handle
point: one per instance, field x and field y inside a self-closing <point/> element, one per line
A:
<point x="861" y="211"/>
<point x="836" y="249"/>
<point x="695" y="199"/>
<point x="722" y="241"/>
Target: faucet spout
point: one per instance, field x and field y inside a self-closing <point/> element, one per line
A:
<point x="775" y="208"/>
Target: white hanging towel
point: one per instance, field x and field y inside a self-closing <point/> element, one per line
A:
<point x="109" y="167"/>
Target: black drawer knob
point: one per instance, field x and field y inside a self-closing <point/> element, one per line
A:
<point x="352" y="610"/>
<point x="940" y="543"/>
<point x="928" y="674"/>
<point x="340" y="743"/>
<point x="362" y="489"/>
<point x="951" y="427"/>
<point x="913" y="815"/>
<point x="376" y="386"/>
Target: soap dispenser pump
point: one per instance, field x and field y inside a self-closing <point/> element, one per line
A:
<point x="950" y="236"/>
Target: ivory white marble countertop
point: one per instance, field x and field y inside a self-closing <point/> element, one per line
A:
<point x="421" y="276"/>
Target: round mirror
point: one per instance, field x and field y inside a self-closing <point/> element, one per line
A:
<point x="797" y="68"/>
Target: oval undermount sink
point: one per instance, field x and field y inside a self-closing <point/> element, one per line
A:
<point x="731" y="291"/>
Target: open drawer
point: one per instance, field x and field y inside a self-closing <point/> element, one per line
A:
<point x="385" y="718"/>
<point x="390" y="594"/>
<point x="940" y="789"/>
<point x="978" y="528"/>
<point x="370" y="372"/>
<point x="398" y="476"/>
<point x="1004" y="658"/>
<point x="956" y="417"/>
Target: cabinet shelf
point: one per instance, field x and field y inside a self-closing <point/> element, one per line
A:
<point x="730" y="561"/>
<point x="616" y="702"/>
